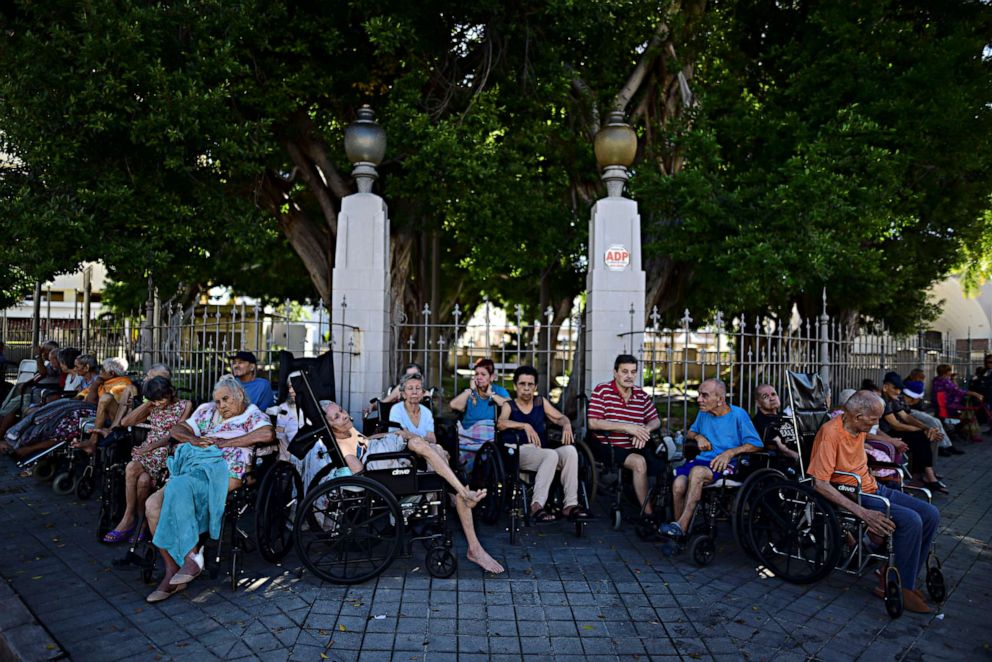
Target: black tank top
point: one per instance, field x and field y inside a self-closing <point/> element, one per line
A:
<point x="535" y="418"/>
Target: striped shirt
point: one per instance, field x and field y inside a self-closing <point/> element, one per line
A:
<point x="606" y="404"/>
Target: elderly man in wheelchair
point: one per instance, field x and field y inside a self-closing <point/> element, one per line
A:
<point x="722" y="432"/>
<point x="839" y="457"/>
<point x="355" y="448"/>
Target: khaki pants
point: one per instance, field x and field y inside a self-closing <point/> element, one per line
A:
<point x="545" y="461"/>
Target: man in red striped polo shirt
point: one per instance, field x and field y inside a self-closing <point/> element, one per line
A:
<point x="625" y="416"/>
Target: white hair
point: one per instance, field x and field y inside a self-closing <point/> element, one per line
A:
<point x="115" y="365"/>
<point x="863" y="402"/>
<point x="232" y="384"/>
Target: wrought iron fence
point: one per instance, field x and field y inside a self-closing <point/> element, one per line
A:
<point x="744" y="353"/>
<point x="447" y="349"/>
<point x="196" y="344"/>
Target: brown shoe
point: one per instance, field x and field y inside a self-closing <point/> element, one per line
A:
<point x="914" y="602"/>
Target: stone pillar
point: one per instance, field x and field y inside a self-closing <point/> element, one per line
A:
<point x="615" y="284"/>
<point x="361" y="280"/>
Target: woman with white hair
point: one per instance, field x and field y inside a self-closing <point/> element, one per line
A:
<point x="211" y="460"/>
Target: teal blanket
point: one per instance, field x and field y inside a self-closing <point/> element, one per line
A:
<point x="194" y="499"/>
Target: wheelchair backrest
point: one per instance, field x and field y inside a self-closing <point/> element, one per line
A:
<point x="26" y="369"/>
<point x="808" y="402"/>
<point x="316" y="428"/>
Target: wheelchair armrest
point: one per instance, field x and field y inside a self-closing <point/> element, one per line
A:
<point x="877" y="464"/>
<point x="395" y="455"/>
<point x="888" y="504"/>
<point x="925" y="491"/>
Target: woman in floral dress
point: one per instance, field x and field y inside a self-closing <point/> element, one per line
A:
<point x="161" y="411"/>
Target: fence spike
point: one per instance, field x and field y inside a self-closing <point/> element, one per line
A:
<point x="686" y="320"/>
<point x="654" y="317"/>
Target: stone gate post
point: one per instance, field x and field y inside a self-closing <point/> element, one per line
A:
<point x="615" y="284"/>
<point x="362" y="272"/>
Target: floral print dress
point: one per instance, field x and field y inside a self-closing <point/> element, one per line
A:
<point x="161" y="420"/>
<point x="206" y="421"/>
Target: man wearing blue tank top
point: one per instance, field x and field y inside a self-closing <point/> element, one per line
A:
<point x="722" y="432"/>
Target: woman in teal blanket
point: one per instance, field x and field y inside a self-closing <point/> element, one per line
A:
<point x="211" y="460"/>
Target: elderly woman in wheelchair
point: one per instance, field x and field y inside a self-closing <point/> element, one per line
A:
<point x="356" y="448"/>
<point x="522" y="421"/>
<point x="213" y="457"/>
<point x="161" y="412"/>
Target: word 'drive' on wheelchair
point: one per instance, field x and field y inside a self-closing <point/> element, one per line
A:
<point x="796" y="534"/>
<point x="351" y="527"/>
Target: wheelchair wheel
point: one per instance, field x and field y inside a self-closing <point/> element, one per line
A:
<point x="488" y="473"/>
<point x="64" y="484"/>
<point x="702" y="549"/>
<point x="936" y="586"/>
<point x="893" y="592"/>
<point x="349" y="530"/>
<point x="45" y="468"/>
<point x="440" y="561"/>
<point x="616" y="519"/>
<point x="277" y="494"/>
<point x="85" y="487"/>
<point x="587" y="471"/>
<point x="742" y="508"/>
<point x="794" y="532"/>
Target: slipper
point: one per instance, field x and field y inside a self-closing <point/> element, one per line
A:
<point x="186" y="573"/>
<point x="576" y="513"/>
<point x="159" y="596"/>
<point x="115" y="536"/>
<point x="542" y="516"/>
<point x="140" y="538"/>
<point x="671" y="530"/>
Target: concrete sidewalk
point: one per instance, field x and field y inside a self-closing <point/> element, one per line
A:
<point x="606" y="596"/>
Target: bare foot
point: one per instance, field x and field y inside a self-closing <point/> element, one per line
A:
<point x="482" y="559"/>
<point x="473" y="497"/>
<point x="4" y="448"/>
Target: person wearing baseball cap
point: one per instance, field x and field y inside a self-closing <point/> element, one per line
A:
<point x="243" y="367"/>
<point x="897" y="422"/>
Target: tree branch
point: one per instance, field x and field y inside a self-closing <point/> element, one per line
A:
<point x="640" y="71"/>
<point x="316" y="185"/>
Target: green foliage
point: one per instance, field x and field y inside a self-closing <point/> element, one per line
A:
<point x="839" y="145"/>
<point x="834" y="144"/>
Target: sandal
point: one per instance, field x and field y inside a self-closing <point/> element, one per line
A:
<point x="115" y="536"/>
<point x="576" y="513"/>
<point x="542" y="516"/>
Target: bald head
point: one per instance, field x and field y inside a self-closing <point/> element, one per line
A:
<point x="864" y="402"/>
<point x="712" y="396"/>
<point x="862" y="411"/>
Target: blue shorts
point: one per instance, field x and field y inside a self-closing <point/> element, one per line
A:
<point x="688" y="466"/>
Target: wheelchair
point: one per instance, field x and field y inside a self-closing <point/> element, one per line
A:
<point x="112" y="457"/>
<point x="797" y="535"/>
<point x="349" y="529"/>
<point x="603" y="460"/>
<point x="515" y="487"/>
<point x="269" y="490"/>
<point x="720" y="502"/>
